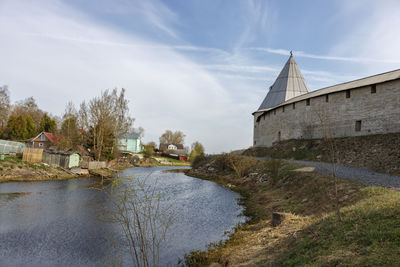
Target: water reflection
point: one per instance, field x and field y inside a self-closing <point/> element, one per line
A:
<point x="56" y="223"/>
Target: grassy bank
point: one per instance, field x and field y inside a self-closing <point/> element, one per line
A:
<point x="13" y="169"/>
<point x="310" y="232"/>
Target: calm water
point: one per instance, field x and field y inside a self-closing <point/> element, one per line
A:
<point x="56" y="223"/>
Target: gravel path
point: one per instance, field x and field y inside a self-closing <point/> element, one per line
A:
<point x="363" y="175"/>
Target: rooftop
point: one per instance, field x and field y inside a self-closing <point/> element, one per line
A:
<point x="378" y="78"/>
<point x="289" y="84"/>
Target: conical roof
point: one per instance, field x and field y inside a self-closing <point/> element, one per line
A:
<point x="290" y="83"/>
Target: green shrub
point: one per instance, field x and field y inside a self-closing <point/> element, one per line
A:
<point x="43" y="167"/>
<point x="198" y="161"/>
<point x="13" y="159"/>
<point x="148" y="151"/>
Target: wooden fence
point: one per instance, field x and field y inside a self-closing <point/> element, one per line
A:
<point x="97" y="165"/>
<point x="54" y="159"/>
<point x="32" y="154"/>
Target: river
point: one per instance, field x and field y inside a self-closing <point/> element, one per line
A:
<point x="55" y="223"/>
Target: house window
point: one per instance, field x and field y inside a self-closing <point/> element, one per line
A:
<point x="255" y="142"/>
<point x="283" y="109"/>
<point x="307" y="102"/>
<point x="347" y="93"/>
<point x="264" y="117"/>
<point x="373" y="89"/>
<point x="40" y="144"/>
<point x="294" y="105"/>
<point x="274" y="111"/>
<point x="279" y="136"/>
<point x="172" y="147"/>
<point x="358" y="126"/>
<point x="327" y="98"/>
<point x="43" y="137"/>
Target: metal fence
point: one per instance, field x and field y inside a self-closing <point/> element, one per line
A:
<point x="32" y="154"/>
<point x="8" y="147"/>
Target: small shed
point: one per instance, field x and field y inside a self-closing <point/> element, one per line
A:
<point x="64" y="159"/>
<point x="73" y="160"/>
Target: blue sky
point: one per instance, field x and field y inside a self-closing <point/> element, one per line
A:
<point x="201" y="67"/>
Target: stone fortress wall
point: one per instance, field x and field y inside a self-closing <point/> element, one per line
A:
<point x="366" y="110"/>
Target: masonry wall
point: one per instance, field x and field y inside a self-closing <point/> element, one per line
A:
<point x="363" y="113"/>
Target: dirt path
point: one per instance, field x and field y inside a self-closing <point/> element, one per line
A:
<point x="364" y="175"/>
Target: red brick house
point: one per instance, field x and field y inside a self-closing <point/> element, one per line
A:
<point x="42" y="140"/>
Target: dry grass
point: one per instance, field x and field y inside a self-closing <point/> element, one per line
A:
<point x="310" y="233"/>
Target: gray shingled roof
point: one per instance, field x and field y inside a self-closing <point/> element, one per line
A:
<point x="132" y="136"/>
<point x="289" y="84"/>
<point x="375" y="79"/>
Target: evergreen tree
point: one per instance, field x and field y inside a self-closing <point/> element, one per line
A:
<point x="17" y="128"/>
<point x="30" y="127"/>
<point x="47" y="124"/>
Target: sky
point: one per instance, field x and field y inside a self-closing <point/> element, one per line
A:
<point x="198" y="66"/>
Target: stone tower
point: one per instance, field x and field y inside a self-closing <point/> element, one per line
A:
<point x="290" y="83"/>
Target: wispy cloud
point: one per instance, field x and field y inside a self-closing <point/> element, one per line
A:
<point x="61" y="53"/>
<point x="57" y="55"/>
<point x="373" y="37"/>
<point x="154" y="12"/>
<point x="322" y="57"/>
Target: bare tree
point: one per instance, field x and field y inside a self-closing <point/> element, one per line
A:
<point x="4" y="106"/>
<point x="29" y="107"/>
<point x="123" y="122"/>
<point x="136" y="207"/>
<point x="170" y="137"/>
<point x="139" y="130"/>
<point x="327" y="131"/>
<point x="106" y="119"/>
<point x="69" y="126"/>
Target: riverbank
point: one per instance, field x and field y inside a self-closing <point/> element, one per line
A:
<point x="308" y="231"/>
<point x="13" y="169"/>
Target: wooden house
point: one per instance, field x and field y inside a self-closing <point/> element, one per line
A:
<point x="171" y="147"/>
<point x="43" y="140"/>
